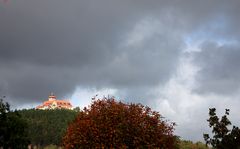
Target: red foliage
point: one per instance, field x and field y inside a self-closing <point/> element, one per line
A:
<point x="110" y="124"/>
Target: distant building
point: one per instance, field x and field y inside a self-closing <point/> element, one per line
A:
<point x="53" y="103"/>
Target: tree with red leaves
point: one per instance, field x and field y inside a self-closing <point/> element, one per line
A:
<point x="111" y="124"/>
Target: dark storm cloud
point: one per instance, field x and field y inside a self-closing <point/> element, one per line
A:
<point x="219" y="68"/>
<point x="58" y="45"/>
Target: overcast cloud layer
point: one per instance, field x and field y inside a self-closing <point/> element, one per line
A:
<point x="179" y="57"/>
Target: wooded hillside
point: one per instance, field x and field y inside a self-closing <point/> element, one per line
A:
<point x="47" y="126"/>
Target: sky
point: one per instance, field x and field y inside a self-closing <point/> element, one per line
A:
<point x="179" y="57"/>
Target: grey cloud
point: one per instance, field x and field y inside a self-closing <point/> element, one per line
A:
<point x="58" y="45"/>
<point x="30" y="83"/>
<point x="219" y="71"/>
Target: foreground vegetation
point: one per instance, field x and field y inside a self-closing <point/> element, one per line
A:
<point x="13" y="129"/>
<point x="184" y="144"/>
<point x="223" y="137"/>
<point x="111" y="124"/>
<point x="105" y="123"/>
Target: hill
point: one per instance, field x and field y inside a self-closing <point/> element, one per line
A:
<point x="47" y="127"/>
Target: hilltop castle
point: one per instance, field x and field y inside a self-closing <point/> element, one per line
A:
<point x="53" y="103"/>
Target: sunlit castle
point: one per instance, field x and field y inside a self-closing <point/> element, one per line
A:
<point x="53" y="103"/>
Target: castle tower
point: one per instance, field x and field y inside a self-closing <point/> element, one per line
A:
<point x="51" y="97"/>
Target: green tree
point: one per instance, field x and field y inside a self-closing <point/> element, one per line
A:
<point x="13" y="129"/>
<point x="184" y="144"/>
<point x="223" y="137"/>
<point x="47" y="126"/>
<point x="77" y="109"/>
